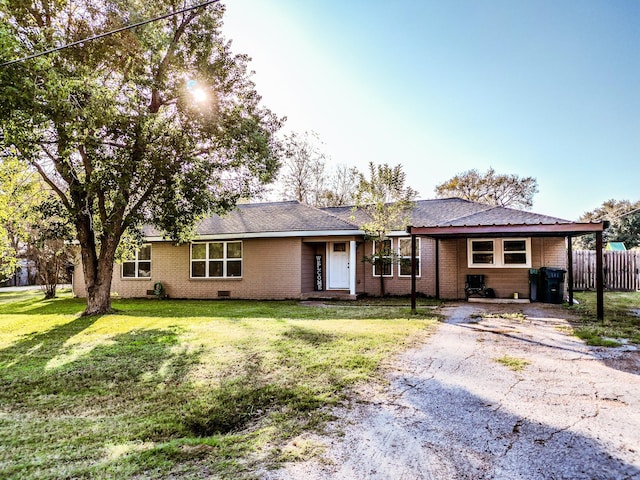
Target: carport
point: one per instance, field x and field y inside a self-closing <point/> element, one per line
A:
<point x="567" y="230"/>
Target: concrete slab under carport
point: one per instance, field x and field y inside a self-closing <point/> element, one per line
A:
<point x="564" y="229"/>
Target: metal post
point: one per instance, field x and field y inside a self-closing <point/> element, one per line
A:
<point x="437" y="268"/>
<point x="570" y="268"/>
<point x="599" y="277"/>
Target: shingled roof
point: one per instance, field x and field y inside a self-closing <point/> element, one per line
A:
<point x="455" y="211"/>
<point x="463" y="212"/>
<point x="292" y="217"/>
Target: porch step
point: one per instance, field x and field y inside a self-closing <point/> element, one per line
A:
<point x="329" y="295"/>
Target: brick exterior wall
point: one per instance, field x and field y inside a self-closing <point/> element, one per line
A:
<point x="545" y="252"/>
<point x="282" y="268"/>
<point x="271" y="270"/>
<point x="395" y="284"/>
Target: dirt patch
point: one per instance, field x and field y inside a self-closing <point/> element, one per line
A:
<point x="452" y="411"/>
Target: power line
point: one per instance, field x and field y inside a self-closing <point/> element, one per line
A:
<point x="614" y="215"/>
<point x="627" y="213"/>
<point x="102" y="35"/>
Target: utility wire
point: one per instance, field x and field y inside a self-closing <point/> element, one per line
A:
<point x="627" y="213"/>
<point x="102" y="35"/>
<point x="615" y="212"/>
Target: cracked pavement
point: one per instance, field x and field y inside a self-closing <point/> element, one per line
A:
<point x="451" y="411"/>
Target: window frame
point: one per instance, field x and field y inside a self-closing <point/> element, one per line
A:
<point x="402" y="258"/>
<point x="136" y="265"/>
<point x="499" y="251"/>
<point x="373" y="253"/>
<point x="224" y="260"/>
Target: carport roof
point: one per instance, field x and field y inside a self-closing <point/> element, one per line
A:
<point x="509" y="230"/>
<point x="483" y="220"/>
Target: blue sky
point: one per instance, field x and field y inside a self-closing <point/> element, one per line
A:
<point x="549" y="89"/>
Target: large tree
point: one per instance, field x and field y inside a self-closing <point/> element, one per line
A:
<point x="384" y="203"/>
<point x="302" y="176"/>
<point x="114" y="127"/>
<point x="306" y="175"/>
<point x="624" y="218"/>
<point x="341" y="187"/>
<point x="503" y="190"/>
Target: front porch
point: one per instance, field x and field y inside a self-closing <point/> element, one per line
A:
<point x="329" y="268"/>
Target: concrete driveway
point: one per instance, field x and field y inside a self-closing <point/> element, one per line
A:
<point x="451" y="411"/>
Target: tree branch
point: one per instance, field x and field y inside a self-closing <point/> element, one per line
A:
<point x="156" y="99"/>
<point x="53" y="186"/>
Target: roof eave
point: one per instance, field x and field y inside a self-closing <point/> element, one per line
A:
<point x="515" y="230"/>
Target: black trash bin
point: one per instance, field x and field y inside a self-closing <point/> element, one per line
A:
<point x="552" y="285"/>
<point x="533" y="285"/>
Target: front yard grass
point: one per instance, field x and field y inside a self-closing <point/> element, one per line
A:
<point x="621" y="323"/>
<point x="179" y="389"/>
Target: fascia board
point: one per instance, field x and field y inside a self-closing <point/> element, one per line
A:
<point x="305" y="233"/>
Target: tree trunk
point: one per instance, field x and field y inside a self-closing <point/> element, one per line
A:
<point x="380" y="265"/>
<point x="97" y="270"/>
<point x="98" y="282"/>
<point x="99" y="297"/>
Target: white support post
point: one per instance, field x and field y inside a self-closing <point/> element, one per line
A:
<point x="352" y="267"/>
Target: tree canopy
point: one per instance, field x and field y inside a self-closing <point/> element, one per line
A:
<point x="158" y="125"/>
<point x="624" y="218"/>
<point x="504" y="190"/>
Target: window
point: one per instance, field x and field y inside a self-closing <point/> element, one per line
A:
<point x="404" y="256"/>
<point x="140" y="266"/>
<point x="499" y="253"/>
<point x="514" y="252"/>
<point x="382" y="258"/>
<point x="339" y="247"/>
<point x="216" y="260"/>
<point x="483" y="252"/>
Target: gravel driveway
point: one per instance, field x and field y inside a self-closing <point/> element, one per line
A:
<point x="451" y="411"/>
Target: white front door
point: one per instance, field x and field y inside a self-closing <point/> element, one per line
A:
<point x="338" y="265"/>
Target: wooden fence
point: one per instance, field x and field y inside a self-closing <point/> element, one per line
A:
<point x="621" y="270"/>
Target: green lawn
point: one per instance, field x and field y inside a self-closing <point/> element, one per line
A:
<point x="621" y="322"/>
<point x="186" y="389"/>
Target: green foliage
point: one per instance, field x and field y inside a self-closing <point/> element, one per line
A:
<point x="19" y="194"/>
<point x="490" y="188"/>
<point x="177" y="388"/>
<point x="624" y="218"/>
<point x="385" y="203"/>
<point x="595" y="338"/>
<point x="113" y="125"/>
<point x="34" y="223"/>
<point x="384" y="199"/>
